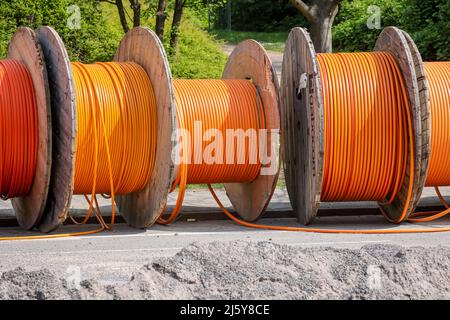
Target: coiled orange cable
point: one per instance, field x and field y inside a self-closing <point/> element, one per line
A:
<point x="438" y="76"/>
<point x="19" y="130"/>
<point x="368" y="135"/>
<point x="218" y="105"/>
<point x="116" y="135"/>
<point x="367" y="128"/>
<point x="19" y="124"/>
<point x="116" y="122"/>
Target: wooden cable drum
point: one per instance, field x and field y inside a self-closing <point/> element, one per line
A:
<point x="26" y="128"/>
<point x="307" y="89"/>
<point x="65" y="122"/>
<point x="248" y="61"/>
<point x="143" y="206"/>
<point x="63" y="128"/>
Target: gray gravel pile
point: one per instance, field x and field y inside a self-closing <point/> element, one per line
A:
<point x="260" y="270"/>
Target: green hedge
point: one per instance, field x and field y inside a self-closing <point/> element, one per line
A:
<point x="427" y="21"/>
<point x="92" y="42"/>
<point x="199" y="55"/>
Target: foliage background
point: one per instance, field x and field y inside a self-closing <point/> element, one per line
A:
<point x="199" y="54"/>
<point x="427" y="21"/>
<point x="260" y="15"/>
<point x="95" y="40"/>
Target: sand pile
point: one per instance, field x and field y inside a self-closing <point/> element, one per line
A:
<point x="260" y="270"/>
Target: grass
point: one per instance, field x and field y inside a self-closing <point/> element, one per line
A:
<point x="199" y="54"/>
<point x="273" y="41"/>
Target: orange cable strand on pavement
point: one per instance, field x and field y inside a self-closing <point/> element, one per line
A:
<point x="19" y="130"/>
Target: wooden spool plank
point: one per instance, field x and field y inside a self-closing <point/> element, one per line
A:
<point x="424" y="99"/>
<point x="249" y="60"/>
<point x="302" y="119"/>
<point x="142" y="46"/>
<point x="64" y="128"/>
<point x="393" y="40"/>
<point x="25" y="47"/>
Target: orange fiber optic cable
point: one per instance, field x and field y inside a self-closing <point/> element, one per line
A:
<point x="368" y="133"/>
<point x="368" y="136"/>
<point x="218" y="105"/>
<point x="116" y="122"/>
<point x="116" y="134"/>
<point x="367" y="127"/>
<point x="19" y="130"/>
<point x="438" y="76"/>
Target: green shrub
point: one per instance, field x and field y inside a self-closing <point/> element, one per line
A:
<point x="427" y="21"/>
<point x="199" y="54"/>
<point x="92" y="42"/>
<point x="350" y="32"/>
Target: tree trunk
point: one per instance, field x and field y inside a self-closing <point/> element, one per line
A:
<point x="320" y="15"/>
<point x="136" y="6"/>
<point x="175" y="32"/>
<point x="321" y="33"/>
<point x="161" y="19"/>
<point x="123" y="18"/>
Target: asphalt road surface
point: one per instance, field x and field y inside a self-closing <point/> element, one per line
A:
<point x="113" y="255"/>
